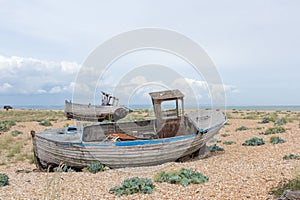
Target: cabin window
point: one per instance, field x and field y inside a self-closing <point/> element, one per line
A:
<point x="72" y="128"/>
<point x="171" y="108"/>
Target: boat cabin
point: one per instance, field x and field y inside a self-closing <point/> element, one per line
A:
<point x="109" y="100"/>
<point x="169" y="122"/>
<point x="169" y="111"/>
<point x="170" y="96"/>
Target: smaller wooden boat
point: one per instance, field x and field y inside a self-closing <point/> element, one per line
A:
<point x="169" y="137"/>
<point x="109" y="110"/>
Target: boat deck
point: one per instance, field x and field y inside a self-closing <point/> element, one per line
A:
<point x="60" y="135"/>
<point x="206" y="119"/>
<point x="203" y="120"/>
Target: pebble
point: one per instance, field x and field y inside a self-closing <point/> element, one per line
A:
<point x="240" y="172"/>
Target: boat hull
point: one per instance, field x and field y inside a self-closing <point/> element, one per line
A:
<point x="119" y="154"/>
<point x="94" y="113"/>
<point x="90" y="143"/>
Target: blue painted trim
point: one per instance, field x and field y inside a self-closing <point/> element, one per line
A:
<point x="132" y="143"/>
<point x="213" y="127"/>
<point x="157" y="141"/>
<point x="135" y="142"/>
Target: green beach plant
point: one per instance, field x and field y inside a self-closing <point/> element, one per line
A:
<point x="214" y="148"/>
<point x="228" y="142"/>
<point x="254" y="142"/>
<point x="95" y="167"/>
<point x="183" y="177"/>
<point x="133" y="185"/>
<point x="213" y="140"/>
<point x="292" y="184"/>
<point x="5" y="125"/>
<point x="4" y="180"/>
<point x="251" y="116"/>
<point x="228" y="116"/>
<point x="268" y="119"/>
<point x="30" y="158"/>
<point x="273" y="130"/>
<point x="63" y="168"/>
<point x="16" y="133"/>
<point x="13" y="150"/>
<point x="22" y="156"/>
<point x="6" y="142"/>
<point x="276" y="140"/>
<point x="281" y="122"/>
<point x="241" y="128"/>
<point x="45" y="123"/>
<point x="31" y="115"/>
<point x="225" y="135"/>
<point x="291" y="157"/>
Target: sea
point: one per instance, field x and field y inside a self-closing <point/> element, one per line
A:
<point x="141" y="106"/>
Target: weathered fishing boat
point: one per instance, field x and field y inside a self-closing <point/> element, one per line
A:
<point x="169" y="136"/>
<point x="109" y="110"/>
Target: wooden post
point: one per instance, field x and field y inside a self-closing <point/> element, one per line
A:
<point x="182" y="107"/>
<point x="177" y="110"/>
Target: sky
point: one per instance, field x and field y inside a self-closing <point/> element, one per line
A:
<point x="254" y="46"/>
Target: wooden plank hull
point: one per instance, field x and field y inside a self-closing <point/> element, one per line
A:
<point x="93" y="112"/>
<point x="51" y="148"/>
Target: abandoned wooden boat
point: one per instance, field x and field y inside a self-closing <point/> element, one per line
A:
<point x="169" y="136"/>
<point x="109" y="110"/>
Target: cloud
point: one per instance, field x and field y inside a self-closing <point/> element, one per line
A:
<point x="41" y="91"/>
<point x="21" y="75"/>
<point x="62" y="89"/>
<point x="196" y="83"/>
<point x="231" y="89"/>
<point x="213" y="87"/>
<point x="204" y="91"/>
<point x="5" y="87"/>
<point x="70" y="67"/>
<point x="138" y="80"/>
<point x="55" y="90"/>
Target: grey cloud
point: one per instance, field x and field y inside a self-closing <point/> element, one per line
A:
<point x="32" y="76"/>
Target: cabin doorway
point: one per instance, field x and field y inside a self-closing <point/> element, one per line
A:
<point x="169" y="110"/>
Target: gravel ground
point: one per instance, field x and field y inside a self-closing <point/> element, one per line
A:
<point x="240" y="172"/>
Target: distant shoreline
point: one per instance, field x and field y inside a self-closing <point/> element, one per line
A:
<point x="253" y="108"/>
